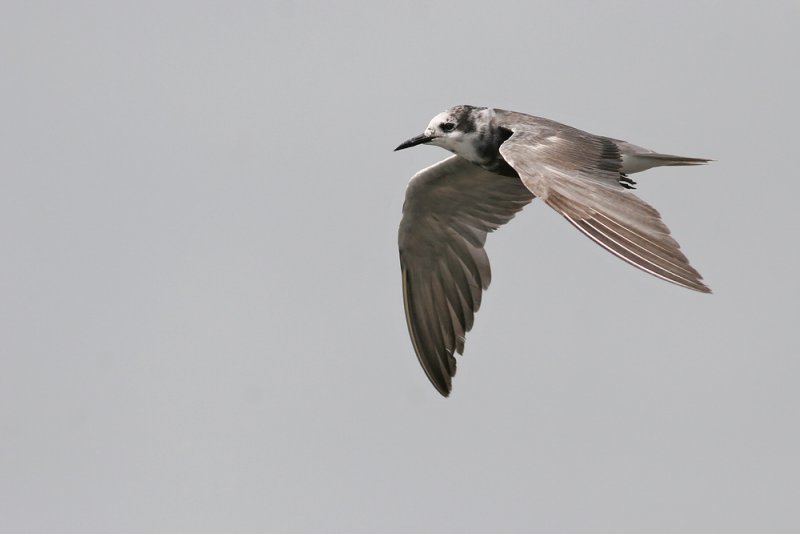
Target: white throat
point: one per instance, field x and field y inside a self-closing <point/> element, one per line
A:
<point x="465" y="145"/>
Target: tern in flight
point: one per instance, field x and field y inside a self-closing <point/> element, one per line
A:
<point x="502" y="161"/>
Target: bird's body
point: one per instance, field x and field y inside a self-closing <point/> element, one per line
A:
<point x="502" y="161"/>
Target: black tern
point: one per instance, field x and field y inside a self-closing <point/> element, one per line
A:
<point x="502" y="161"/>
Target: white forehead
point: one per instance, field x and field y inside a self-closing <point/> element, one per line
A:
<point x="444" y="116"/>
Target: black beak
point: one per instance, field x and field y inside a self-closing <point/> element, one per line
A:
<point x="414" y="141"/>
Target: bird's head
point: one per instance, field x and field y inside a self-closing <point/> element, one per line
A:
<point x="459" y="130"/>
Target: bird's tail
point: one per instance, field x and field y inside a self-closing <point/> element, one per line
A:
<point x="637" y="159"/>
<point x="669" y="159"/>
<point x="642" y="161"/>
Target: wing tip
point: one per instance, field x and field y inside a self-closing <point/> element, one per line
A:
<point x="703" y="288"/>
<point x="443" y="391"/>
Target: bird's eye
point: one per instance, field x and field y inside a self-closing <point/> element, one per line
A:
<point x="448" y="126"/>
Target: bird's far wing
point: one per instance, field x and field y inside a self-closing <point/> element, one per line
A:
<point x="579" y="175"/>
<point x="449" y="209"/>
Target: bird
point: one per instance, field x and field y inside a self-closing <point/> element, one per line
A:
<point x="502" y="161"/>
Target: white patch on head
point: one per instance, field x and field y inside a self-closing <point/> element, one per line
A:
<point x="456" y="141"/>
<point x="438" y="119"/>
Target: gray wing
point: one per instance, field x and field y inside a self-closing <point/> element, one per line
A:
<point x="578" y="174"/>
<point x="449" y="209"/>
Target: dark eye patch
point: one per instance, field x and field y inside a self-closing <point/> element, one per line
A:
<point x="448" y="127"/>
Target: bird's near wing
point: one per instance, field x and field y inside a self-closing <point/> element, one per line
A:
<point x="449" y="209"/>
<point x="579" y="175"/>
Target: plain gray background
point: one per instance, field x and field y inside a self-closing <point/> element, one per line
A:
<point x="202" y="325"/>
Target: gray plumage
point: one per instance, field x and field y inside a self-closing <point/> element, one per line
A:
<point x="503" y="161"/>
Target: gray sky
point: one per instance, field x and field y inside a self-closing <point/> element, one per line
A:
<point x="202" y="325"/>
